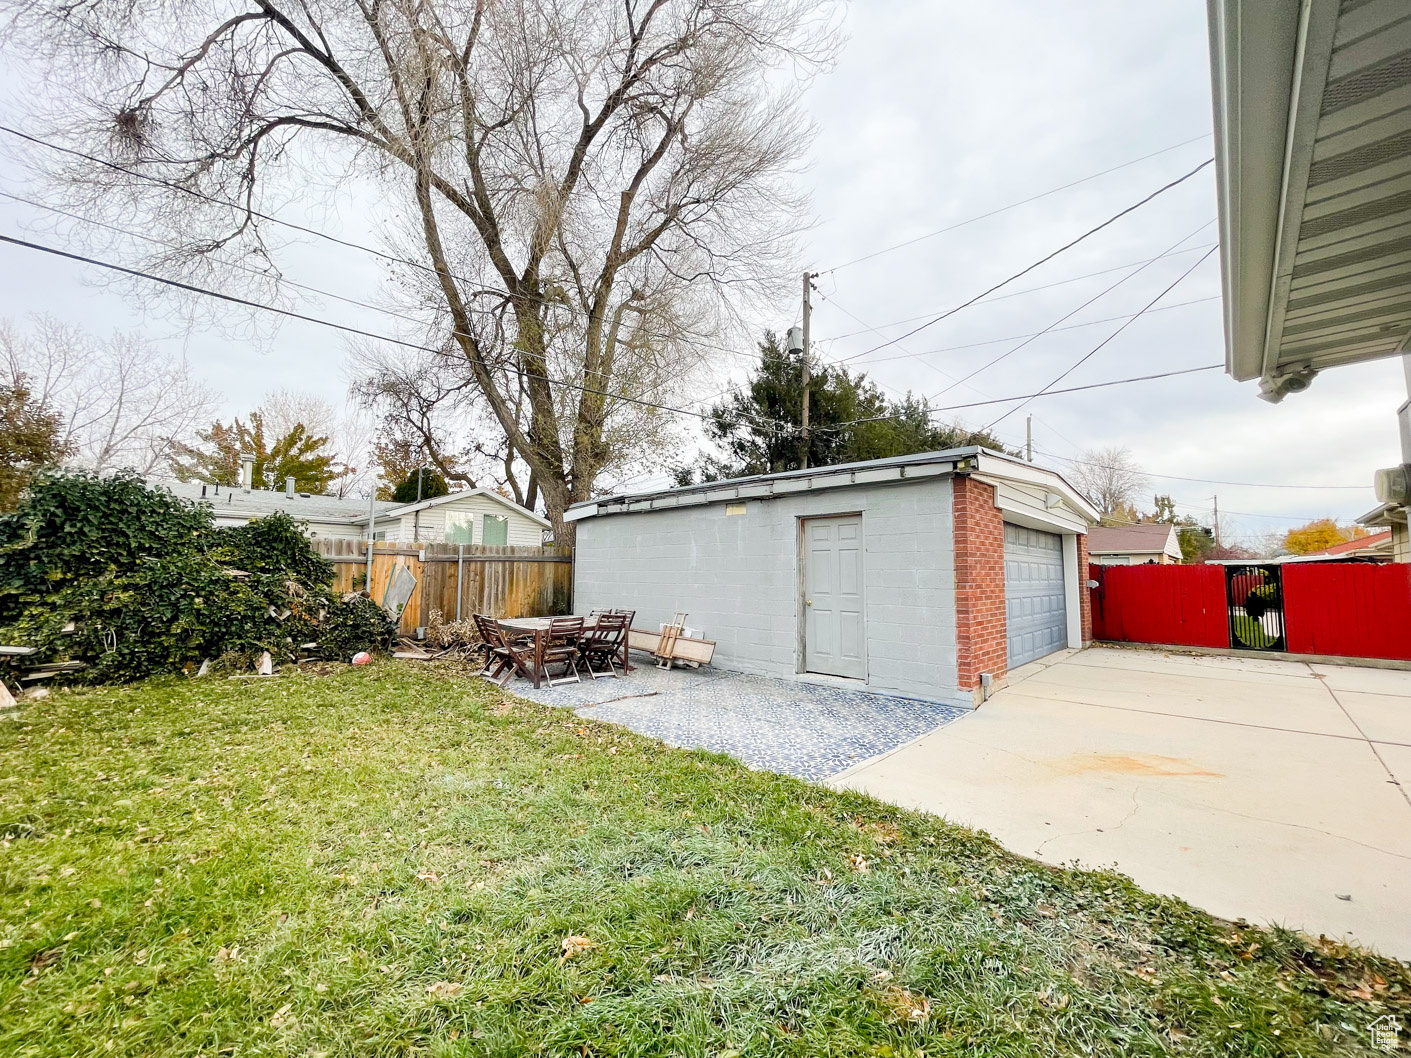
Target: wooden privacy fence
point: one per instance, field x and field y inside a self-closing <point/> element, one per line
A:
<point x="1344" y="609"/>
<point x="459" y="579"/>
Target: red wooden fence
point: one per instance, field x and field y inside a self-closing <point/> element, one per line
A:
<point x="1178" y="605"/>
<point x="1350" y="609"/>
<point x="1343" y="609"/>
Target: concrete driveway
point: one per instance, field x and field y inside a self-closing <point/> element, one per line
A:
<point x="1272" y="791"/>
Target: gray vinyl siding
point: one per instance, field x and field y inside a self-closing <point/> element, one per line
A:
<point x="737" y="576"/>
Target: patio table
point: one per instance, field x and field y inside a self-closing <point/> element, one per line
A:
<point x="538" y="628"/>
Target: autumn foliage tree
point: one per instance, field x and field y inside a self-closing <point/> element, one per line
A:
<point x="1319" y="535"/>
<point x="295" y="453"/>
<point x="31" y="439"/>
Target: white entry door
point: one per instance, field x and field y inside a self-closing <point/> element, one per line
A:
<point x="834" y="636"/>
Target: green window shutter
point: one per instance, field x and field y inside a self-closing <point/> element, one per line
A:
<point x="497" y="529"/>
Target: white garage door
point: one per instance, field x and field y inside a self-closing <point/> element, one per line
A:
<point x="1035" y="615"/>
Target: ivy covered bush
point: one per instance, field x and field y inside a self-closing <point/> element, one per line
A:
<point x="133" y="581"/>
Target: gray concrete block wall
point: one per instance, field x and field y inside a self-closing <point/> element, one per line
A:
<point x="737" y="576"/>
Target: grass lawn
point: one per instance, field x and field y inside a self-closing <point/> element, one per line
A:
<point x="400" y="860"/>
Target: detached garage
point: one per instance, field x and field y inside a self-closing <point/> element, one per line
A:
<point x="927" y="575"/>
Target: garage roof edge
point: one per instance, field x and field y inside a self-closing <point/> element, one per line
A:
<point x="789" y="482"/>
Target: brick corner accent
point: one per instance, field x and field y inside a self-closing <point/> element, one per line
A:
<point x="979" y="583"/>
<point x="1085" y="596"/>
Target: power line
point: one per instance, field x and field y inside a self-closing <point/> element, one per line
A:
<point x="319" y="290"/>
<point x="1251" y="514"/>
<point x="291" y="314"/>
<point x="852" y="315"/>
<point x="292" y="225"/>
<point x="1205" y="481"/>
<point x="1045" y="393"/>
<point x="1091" y="352"/>
<point x="1031" y="334"/>
<point x="1012" y="205"/>
<point x="1076" y="389"/>
<point x="1043" y="260"/>
<point x="1069" y="315"/>
<point x="1027" y="290"/>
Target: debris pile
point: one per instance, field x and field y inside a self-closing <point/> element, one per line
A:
<point x="106" y="580"/>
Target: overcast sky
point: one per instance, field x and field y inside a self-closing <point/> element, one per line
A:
<point x="939" y="112"/>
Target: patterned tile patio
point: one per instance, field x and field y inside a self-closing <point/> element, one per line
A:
<point x="806" y="730"/>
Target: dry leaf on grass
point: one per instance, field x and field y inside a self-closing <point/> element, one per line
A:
<point x="907" y="1005"/>
<point x="575" y="945"/>
<point x="445" y="989"/>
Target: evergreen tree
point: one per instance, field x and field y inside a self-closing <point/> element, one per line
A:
<point x="432" y="485"/>
<point x="758" y="428"/>
<point x="296" y="453"/>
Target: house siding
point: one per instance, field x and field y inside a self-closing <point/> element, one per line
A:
<point x="738" y="577"/>
<point x="429" y="525"/>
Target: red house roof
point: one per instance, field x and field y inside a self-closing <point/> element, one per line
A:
<point x="1370" y="540"/>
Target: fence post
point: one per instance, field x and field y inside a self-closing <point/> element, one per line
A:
<point x="460" y="583"/>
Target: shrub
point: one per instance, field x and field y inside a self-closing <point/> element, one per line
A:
<point x="148" y="584"/>
<point x="75" y="526"/>
<point x="354" y="623"/>
<point x="273" y="546"/>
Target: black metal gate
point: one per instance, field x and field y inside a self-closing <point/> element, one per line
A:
<point x="1255" y="596"/>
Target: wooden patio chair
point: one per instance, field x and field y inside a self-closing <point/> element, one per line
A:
<point x="602" y="644"/>
<point x="561" y="643"/>
<point x="521" y="651"/>
<point x="499" y="657"/>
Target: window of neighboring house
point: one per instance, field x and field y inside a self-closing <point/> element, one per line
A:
<point x="381" y="534"/>
<point x="497" y="529"/>
<point x="460" y="527"/>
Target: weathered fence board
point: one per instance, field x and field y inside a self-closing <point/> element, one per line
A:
<point x="500" y="580"/>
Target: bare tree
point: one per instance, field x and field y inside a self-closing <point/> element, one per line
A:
<point x="1110" y="478"/>
<point x="583" y="190"/>
<point x="122" y="402"/>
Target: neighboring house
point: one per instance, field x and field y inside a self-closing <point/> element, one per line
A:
<point x="1134" y="545"/>
<point x="1313" y="163"/>
<point x="1375" y="547"/>
<point x="1392" y="517"/>
<point x="928" y="575"/>
<point x="471" y="516"/>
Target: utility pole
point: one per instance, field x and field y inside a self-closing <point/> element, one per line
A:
<point x="807" y="287"/>
<point x="1216" y="502"/>
<point x="1029" y="437"/>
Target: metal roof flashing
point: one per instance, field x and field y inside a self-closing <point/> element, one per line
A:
<point x="764" y="487"/>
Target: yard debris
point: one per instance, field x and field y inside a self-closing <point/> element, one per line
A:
<point x="575" y="945"/>
<point x="906" y="1005"/>
<point x="266" y="666"/>
<point x="451" y="640"/>
<point x="445" y="989"/>
<point x="56" y="668"/>
<point x="7" y="700"/>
